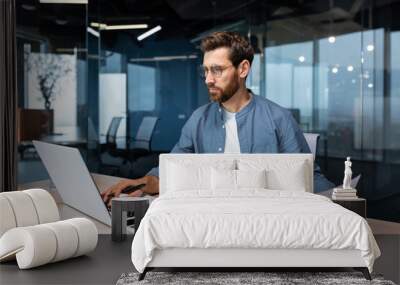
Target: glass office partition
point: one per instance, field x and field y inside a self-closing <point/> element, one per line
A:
<point x="392" y="136"/>
<point x="339" y="81"/>
<point x="95" y="76"/>
<point x="289" y="78"/>
<point x="51" y="67"/>
<point x="331" y="63"/>
<point x="140" y="81"/>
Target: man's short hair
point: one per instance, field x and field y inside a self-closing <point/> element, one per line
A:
<point x="239" y="46"/>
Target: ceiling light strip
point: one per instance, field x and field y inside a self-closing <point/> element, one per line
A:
<point x="126" y="27"/>
<point x="64" y="1"/>
<point x="93" y="32"/>
<point x="164" y="58"/>
<point x="149" y="33"/>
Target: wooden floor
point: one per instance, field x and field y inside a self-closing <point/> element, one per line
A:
<point x="380" y="227"/>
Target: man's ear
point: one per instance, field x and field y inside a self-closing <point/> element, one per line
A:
<point x="244" y="68"/>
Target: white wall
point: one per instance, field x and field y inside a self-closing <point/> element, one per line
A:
<point x="112" y="103"/>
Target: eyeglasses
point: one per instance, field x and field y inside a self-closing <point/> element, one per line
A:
<point x="216" y="70"/>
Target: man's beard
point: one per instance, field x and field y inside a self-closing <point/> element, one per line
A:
<point x="224" y="95"/>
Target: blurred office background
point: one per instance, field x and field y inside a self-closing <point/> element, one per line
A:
<point x="86" y="80"/>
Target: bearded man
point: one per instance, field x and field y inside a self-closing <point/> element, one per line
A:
<point x="236" y="120"/>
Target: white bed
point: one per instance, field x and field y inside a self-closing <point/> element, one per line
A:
<point x="231" y="211"/>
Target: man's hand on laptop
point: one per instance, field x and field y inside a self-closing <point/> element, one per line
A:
<point x="131" y="187"/>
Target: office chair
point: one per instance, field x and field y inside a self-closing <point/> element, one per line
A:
<point x="140" y="145"/>
<point x="111" y="136"/>
<point x="110" y="147"/>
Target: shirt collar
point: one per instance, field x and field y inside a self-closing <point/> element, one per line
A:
<point x="249" y="107"/>
<point x="228" y="115"/>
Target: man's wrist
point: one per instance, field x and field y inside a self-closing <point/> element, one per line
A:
<point x="151" y="184"/>
<point x="138" y="181"/>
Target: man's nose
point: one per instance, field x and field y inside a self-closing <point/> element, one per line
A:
<point x="209" y="78"/>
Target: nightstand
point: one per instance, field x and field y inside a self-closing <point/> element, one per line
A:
<point x="357" y="205"/>
<point x="119" y="209"/>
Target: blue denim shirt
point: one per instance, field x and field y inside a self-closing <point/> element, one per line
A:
<point x="263" y="127"/>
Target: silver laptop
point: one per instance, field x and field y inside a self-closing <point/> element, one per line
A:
<point x="72" y="179"/>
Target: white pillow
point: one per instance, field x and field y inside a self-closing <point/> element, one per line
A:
<point x="187" y="174"/>
<point x="292" y="178"/>
<point x="288" y="174"/>
<point x="236" y="179"/>
<point x="223" y="179"/>
<point x="183" y="177"/>
<point x="251" y="178"/>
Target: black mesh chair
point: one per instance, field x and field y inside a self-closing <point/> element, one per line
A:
<point x="110" y="146"/>
<point x="140" y="145"/>
<point x="111" y="136"/>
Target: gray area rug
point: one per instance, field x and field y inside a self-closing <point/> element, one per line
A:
<point x="229" y="278"/>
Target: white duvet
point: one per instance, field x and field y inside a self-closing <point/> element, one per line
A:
<point x="252" y="218"/>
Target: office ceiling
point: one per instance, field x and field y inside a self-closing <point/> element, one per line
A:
<point x="65" y="25"/>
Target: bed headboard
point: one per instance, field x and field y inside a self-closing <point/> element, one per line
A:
<point x="287" y="167"/>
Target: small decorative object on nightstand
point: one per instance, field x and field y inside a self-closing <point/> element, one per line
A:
<point x="346" y="192"/>
<point x="346" y="196"/>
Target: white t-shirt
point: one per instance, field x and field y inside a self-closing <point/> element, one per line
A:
<point x="232" y="144"/>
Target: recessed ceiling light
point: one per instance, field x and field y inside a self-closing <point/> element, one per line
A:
<point x="370" y="47"/>
<point x="335" y="70"/>
<point x="332" y="39"/>
<point x="28" y="7"/>
<point x="350" y="68"/>
<point x="370" y="85"/>
<point x="61" y="22"/>
<point x="302" y="58"/>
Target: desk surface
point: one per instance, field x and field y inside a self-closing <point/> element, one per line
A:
<point x="66" y="136"/>
<point x="102" y="266"/>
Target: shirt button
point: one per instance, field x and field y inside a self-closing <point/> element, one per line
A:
<point x="219" y="149"/>
<point x="223" y="126"/>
